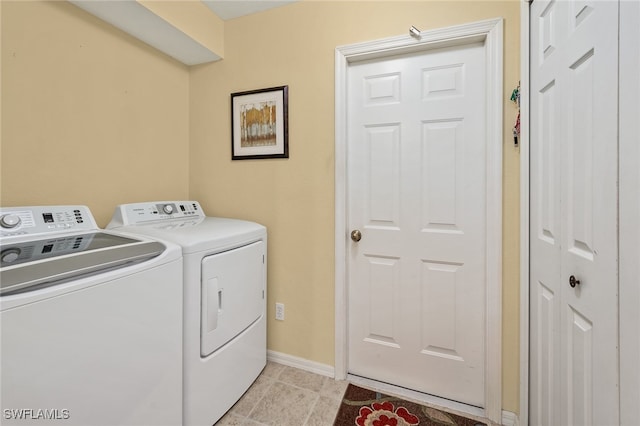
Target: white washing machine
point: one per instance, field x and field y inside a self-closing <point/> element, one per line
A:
<point x="90" y="321"/>
<point x="225" y="342"/>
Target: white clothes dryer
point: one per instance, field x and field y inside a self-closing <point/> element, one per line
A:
<point x="225" y="345"/>
<point x="91" y="322"/>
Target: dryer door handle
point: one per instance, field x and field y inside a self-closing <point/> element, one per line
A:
<point x="211" y="305"/>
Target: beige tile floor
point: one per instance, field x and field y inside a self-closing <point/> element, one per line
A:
<point x="287" y="396"/>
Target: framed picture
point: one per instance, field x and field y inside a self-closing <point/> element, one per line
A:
<point x="259" y="127"/>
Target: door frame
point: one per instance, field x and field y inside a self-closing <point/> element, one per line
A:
<point x="629" y="213"/>
<point x="491" y="32"/>
<point x="525" y="35"/>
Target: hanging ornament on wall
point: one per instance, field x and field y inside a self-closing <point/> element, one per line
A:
<point x="515" y="98"/>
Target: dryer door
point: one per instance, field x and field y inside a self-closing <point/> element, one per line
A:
<point x="233" y="294"/>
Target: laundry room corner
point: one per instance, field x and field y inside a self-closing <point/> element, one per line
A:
<point x="294" y="197"/>
<point x="91" y="115"/>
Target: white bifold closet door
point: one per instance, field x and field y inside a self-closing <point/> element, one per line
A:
<point x="573" y="224"/>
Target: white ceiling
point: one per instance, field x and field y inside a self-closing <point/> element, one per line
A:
<point x="229" y="9"/>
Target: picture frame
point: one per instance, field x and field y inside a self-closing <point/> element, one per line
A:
<point x="259" y="124"/>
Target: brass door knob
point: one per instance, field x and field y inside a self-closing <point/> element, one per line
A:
<point x="356" y="235"/>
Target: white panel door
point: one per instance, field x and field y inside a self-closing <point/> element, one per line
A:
<point x="417" y="194"/>
<point x="574" y="105"/>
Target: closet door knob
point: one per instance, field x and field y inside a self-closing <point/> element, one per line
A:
<point x="356" y="235"/>
<point x="573" y="282"/>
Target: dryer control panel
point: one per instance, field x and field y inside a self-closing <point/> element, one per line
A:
<point x="35" y="220"/>
<point x="139" y="213"/>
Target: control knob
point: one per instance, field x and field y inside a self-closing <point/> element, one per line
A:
<point x="168" y="209"/>
<point x="9" y="221"/>
<point x="10" y="255"/>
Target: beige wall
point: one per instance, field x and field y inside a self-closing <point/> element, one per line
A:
<point x="294" y="198"/>
<point x="90" y="115"/>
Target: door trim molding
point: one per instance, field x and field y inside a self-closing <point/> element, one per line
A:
<point x="491" y="33"/>
<point x="524" y="211"/>
<point x="629" y="210"/>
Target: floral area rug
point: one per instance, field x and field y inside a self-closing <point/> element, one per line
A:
<point x="364" y="407"/>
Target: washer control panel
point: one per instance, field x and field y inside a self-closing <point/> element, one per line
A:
<point x="139" y="213"/>
<point x="22" y="221"/>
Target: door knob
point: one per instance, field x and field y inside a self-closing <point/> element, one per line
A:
<point x="573" y="282"/>
<point x="356" y="235"/>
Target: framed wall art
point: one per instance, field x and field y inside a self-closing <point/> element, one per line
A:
<point x="259" y="127"/>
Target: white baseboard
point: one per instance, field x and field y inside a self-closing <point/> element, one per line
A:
<point x="510" y="419"/>
<point x="301" y="363"/>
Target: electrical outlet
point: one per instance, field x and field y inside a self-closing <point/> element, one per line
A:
<point x="280" y="311"/>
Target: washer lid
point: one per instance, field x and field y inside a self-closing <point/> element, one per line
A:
<point x="32" y="265"/>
